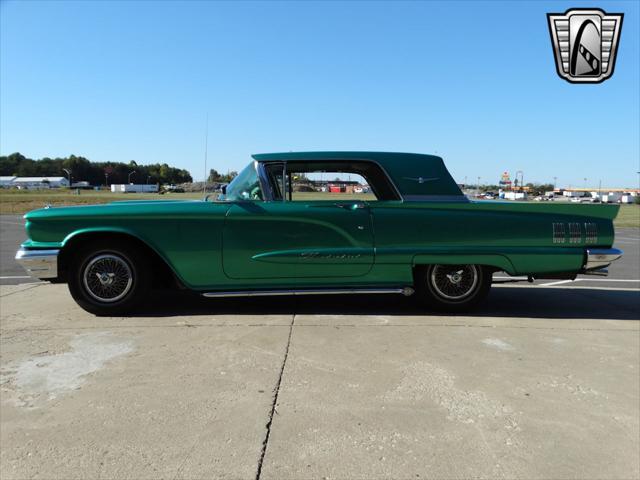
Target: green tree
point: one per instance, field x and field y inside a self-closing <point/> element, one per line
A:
<point x="94" y="173"/>
<point x="214" y="176"/>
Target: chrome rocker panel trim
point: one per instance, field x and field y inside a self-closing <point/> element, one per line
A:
<point x="600" y="258"/>
<point x="406" y="291"/>
<point x="40" y="264"/>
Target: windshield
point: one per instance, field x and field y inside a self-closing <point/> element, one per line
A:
<point x="245" y="186"/>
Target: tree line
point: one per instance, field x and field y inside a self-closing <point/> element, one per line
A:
<point x="217" y="177"/>
<point x="96" y="173"/>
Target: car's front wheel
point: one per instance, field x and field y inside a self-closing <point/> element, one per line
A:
<point x="453" y="287"/>
<point x="109" y="278"/>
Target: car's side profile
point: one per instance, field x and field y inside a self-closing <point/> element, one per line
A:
<point x="294" y="223"/>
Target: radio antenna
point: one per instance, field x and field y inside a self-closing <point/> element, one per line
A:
<point x="206" y="145"/>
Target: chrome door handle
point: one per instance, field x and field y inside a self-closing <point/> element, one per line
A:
<point x="346" y="206"/>
<point x="352" y="206"/>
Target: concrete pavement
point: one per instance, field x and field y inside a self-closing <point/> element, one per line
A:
<point x="542" y="383"/>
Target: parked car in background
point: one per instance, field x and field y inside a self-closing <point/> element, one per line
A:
<point x="628" y="198"/>
<point x="416" y="234"/>
<point x="172" y="188"/>
<point x="586" y="198"/>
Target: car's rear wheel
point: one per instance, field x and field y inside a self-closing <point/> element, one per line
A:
<point x="109" y="278"/>
<point x="453" y="287"/>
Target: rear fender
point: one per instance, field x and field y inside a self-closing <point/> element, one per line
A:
<point x="500" y="262"/>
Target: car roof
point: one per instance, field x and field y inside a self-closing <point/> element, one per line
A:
<point x="416" y="176"/>
<point x="342" y="155"/>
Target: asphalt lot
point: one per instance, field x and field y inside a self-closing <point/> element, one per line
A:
<point x="11" y="236"/>
<point x="542" y="382"/>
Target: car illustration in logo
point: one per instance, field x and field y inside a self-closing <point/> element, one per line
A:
<point x="585" y="43"/>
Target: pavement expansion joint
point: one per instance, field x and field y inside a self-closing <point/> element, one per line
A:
<point x="30" y="287"/>
<point x="276" y="392"/>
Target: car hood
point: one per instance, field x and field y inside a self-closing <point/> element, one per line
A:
<point x="117" y="208"/>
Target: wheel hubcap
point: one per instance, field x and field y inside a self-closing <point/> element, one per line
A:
<point x="454" y="282"/>
<point x="107" y="278"/>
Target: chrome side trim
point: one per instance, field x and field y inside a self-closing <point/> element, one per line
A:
<point x="597" y="258"/>
<point x="437" y="198"/>
<point x="406" y="291"/>
<point x="39" y="263"/>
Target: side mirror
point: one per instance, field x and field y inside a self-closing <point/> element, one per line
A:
<point x="224" y="189"/>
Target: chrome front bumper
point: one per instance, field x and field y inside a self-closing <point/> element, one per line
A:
<point x="597" y="259"/>
<point x="41" y="264"/>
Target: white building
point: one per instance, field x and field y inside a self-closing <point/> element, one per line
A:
<point x="31" y="183"/>
<point x="134" y="188"/>
<point x="6" y="182"/>
<point x="572" y="193"/>
<point x="611" y="197"/>
<point x="628" y="198"/>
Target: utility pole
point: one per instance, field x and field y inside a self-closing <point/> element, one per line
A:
<point x="131" y="173"/>
<point x="521" y="173"/>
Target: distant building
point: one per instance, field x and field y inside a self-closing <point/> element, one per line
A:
<point x="606" y="195"/>
<point x="34" y="183"/>
<point x="6" y="182"/>
<point x="611" y="197"/>
<point x="573" y="193"/>
<point x="134" y="188"/>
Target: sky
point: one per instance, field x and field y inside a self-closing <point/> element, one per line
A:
<point x="474" y="82"/>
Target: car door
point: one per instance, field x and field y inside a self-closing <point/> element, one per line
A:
<point x="283" y="239"/>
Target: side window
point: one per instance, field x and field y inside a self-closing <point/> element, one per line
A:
<point x="329" y="180"/>
<point x="245" y="186"/>
<point x="275" y="175"/>
<point x="327" y="185"/>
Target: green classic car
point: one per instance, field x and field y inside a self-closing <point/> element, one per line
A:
<point x="316" y="223"/>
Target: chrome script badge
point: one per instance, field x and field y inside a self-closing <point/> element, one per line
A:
<point x="585" y="42"/>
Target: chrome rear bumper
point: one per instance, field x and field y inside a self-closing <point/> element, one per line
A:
<point x="600" y="258"/>
<point x="41" y="264"/>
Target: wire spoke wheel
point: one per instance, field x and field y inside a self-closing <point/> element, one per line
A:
<point x="107" y="278"/>
<point x="454" y="283"/>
